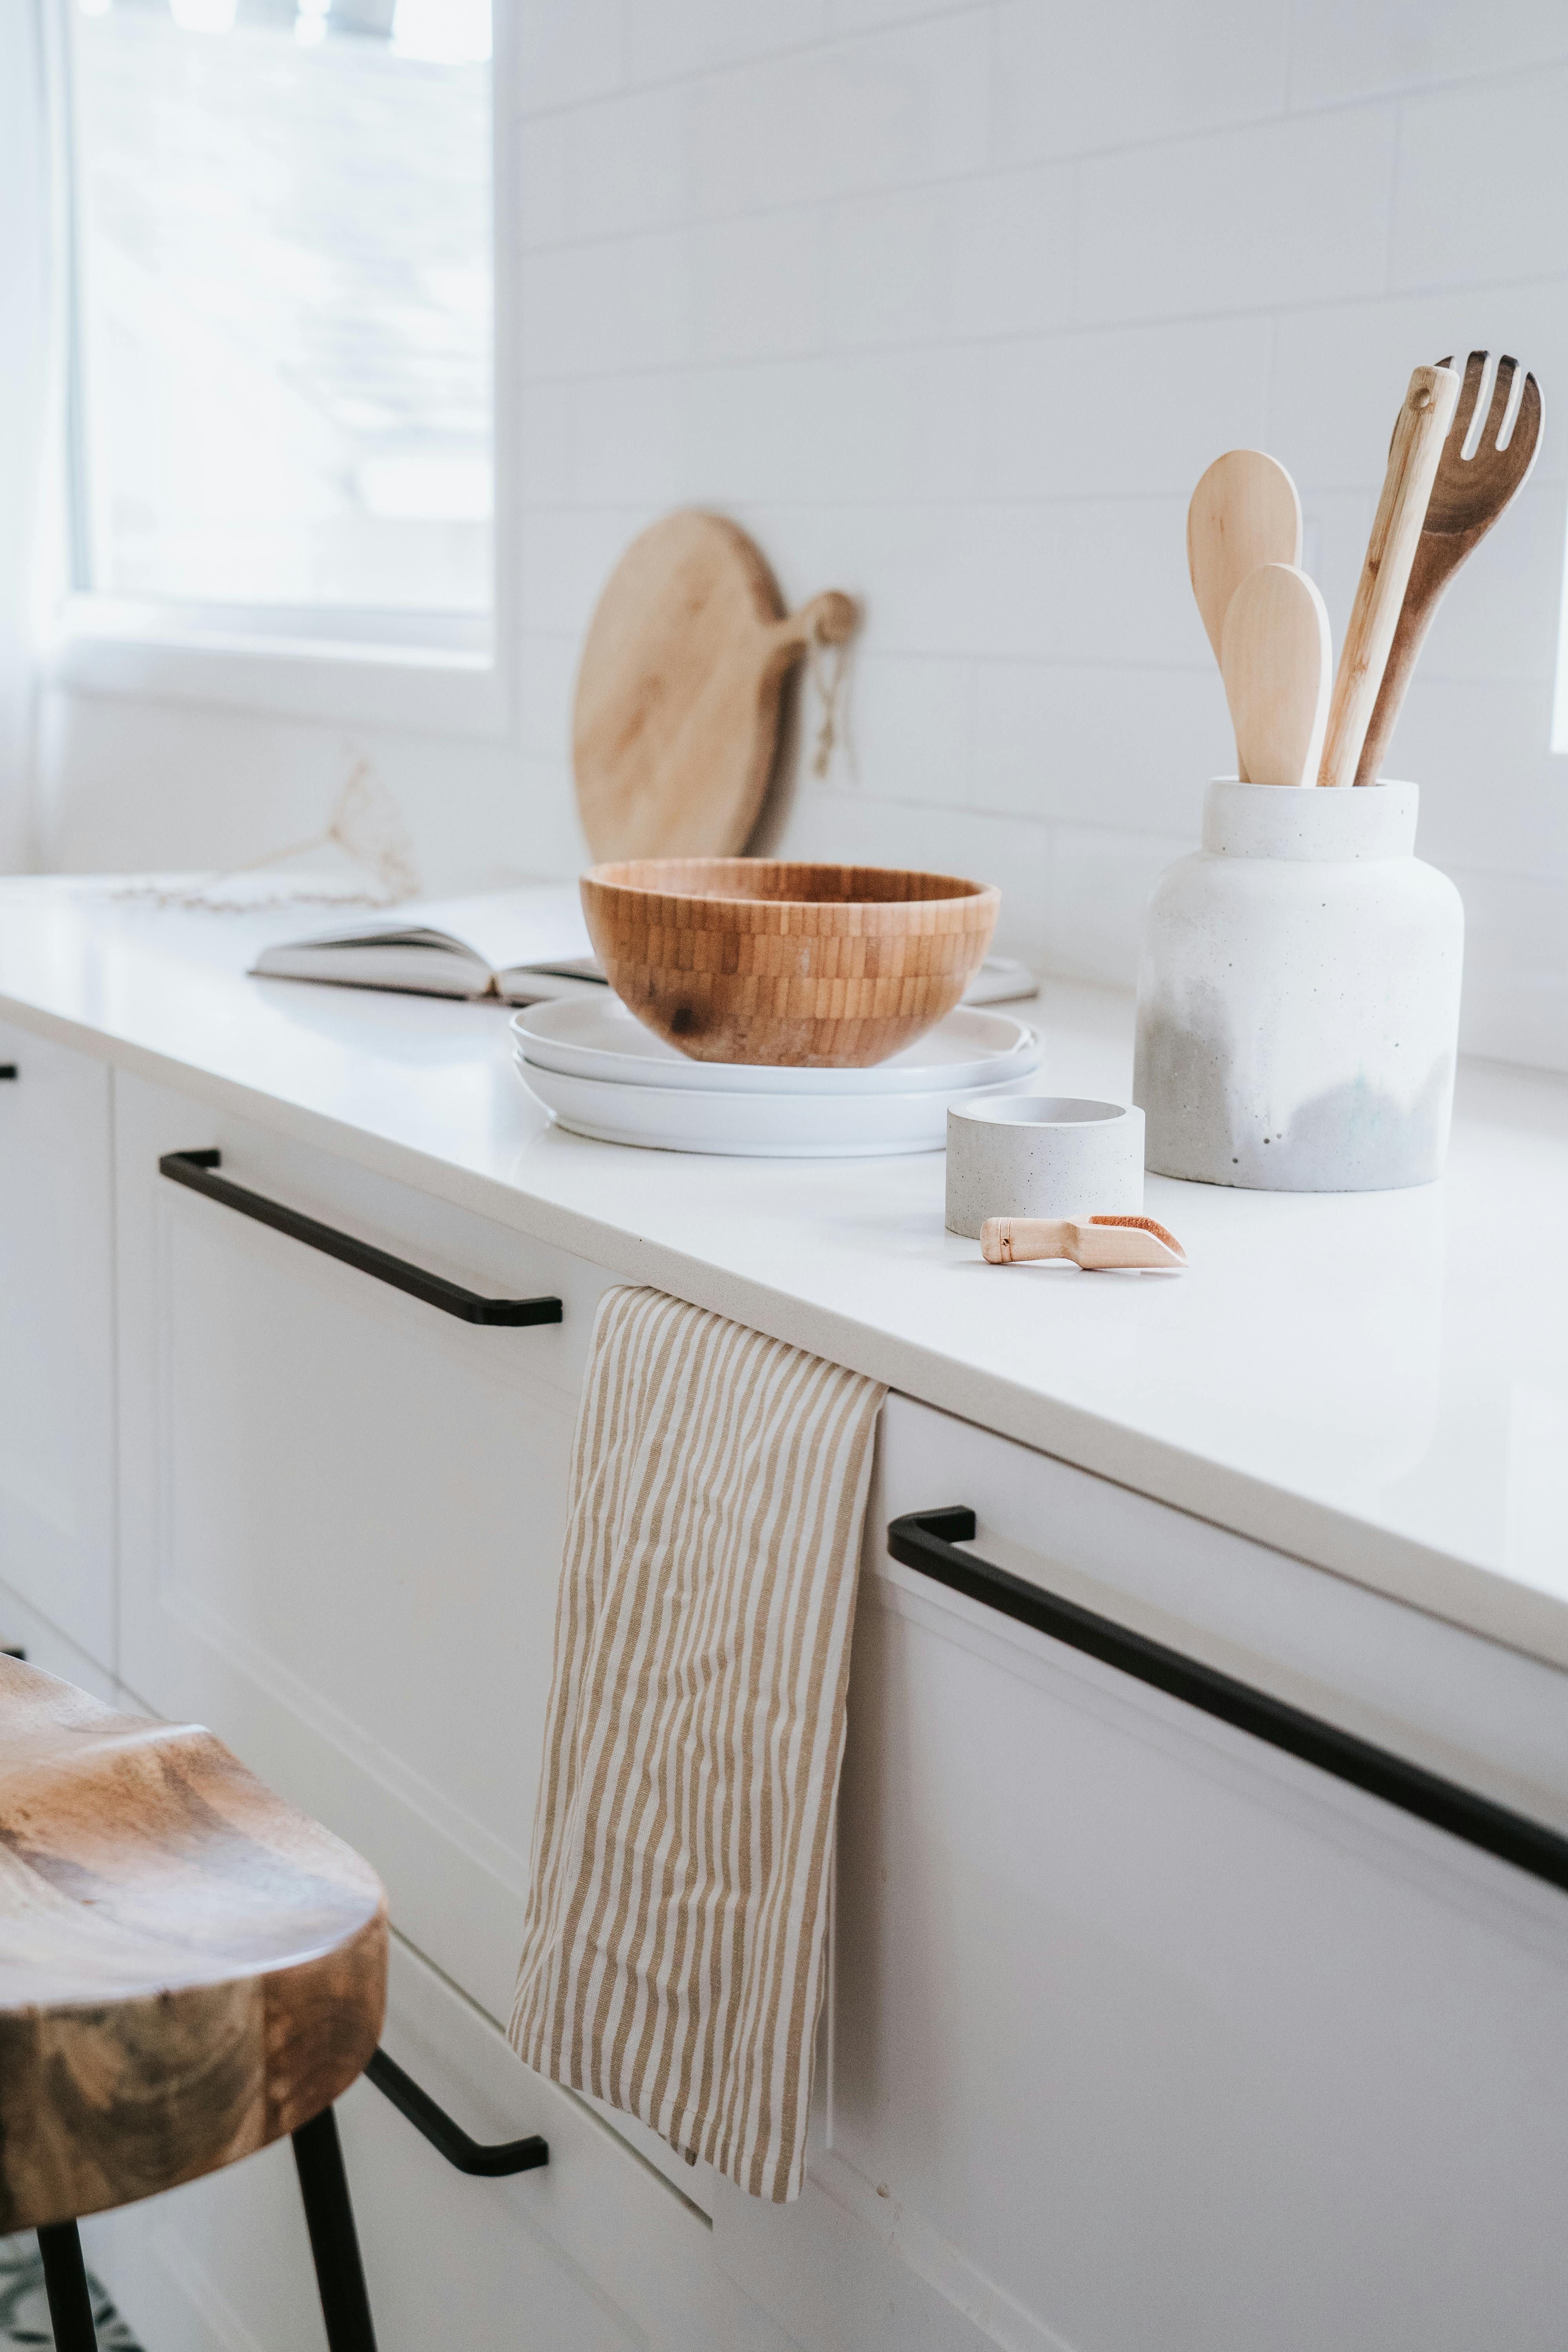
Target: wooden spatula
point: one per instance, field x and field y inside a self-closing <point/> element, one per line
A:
<point x="1244" y="512"/>
<point x="1096" y="1243"/>
<point x="1413" y="455"/>
<point x="1468" y="496"/>
<point x="1276" y="665"/>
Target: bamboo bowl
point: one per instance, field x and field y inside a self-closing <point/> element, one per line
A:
<point x="813" y="966"/>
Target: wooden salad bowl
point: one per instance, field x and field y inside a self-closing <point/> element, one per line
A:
<point x="802" y="967"/>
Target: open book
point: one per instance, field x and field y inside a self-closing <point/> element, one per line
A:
<point x="519" y="945"/>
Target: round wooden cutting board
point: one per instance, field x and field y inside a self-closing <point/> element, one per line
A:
<point x="676" y="729"/>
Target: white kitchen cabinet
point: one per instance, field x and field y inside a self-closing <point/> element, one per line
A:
<point x="1144" y="2036"/>
<point x="57" y="1341"/>
<point x="593" y="2252"/>
<point x="342" y="1511"/>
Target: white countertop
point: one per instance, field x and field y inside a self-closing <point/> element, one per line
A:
<point x="1376" y="1383"/>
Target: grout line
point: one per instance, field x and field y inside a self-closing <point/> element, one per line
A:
<point x="1007" y="338"/>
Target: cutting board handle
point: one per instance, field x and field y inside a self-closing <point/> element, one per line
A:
<point x="830" y="619"/>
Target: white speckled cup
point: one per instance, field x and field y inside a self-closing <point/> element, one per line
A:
<point x="1042" y="1156"/>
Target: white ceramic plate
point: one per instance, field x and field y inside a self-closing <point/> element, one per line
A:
<point x="600" y="1039"/>
<point x="750" y="1126"/>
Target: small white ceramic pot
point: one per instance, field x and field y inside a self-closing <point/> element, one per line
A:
<point x="1299" y="995"/>
<point x="1042" y="1156"/>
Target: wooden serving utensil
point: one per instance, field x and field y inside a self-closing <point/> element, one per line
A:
<point x="1468" y="496"/>
<point x="1244" y="512"/>
<point x="1413" y="455"/>
<point x="1276" y="662"/>
<point x="1096" y="1243"/>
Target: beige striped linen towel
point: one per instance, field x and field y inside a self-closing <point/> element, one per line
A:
<point x="672" y="1963"/>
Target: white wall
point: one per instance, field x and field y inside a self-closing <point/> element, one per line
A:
<point x="951" y="305"/>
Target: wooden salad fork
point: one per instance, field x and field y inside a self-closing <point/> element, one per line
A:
<point x="1095" y="1244"/>
<point x="1468" y="496"/>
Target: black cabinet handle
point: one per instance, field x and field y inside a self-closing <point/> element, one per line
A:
<point x="928" y="1540"/>
<point x="492" y="2163"/>
<point x="197" y="1168"/>
<point x="7" y="1069"/>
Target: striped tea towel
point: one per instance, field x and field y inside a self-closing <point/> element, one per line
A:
<point x="673" y="1959"/>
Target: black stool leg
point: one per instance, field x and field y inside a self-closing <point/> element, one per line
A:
<point x="339" y="2275"/>
<point x="65" y="2277"/>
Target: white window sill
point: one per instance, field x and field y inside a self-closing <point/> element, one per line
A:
<point x="431" y="688"/>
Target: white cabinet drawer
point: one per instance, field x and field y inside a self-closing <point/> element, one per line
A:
<point x="57" y="1340"/>
<point x="343" y="1508"/>
<point x="592" y="2253"/>
<point x="1142" y="2035"/>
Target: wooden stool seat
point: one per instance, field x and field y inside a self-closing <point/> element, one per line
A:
<point x="189" y="1969"/>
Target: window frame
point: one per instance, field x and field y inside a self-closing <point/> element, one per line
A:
<point x="437" y="673"/>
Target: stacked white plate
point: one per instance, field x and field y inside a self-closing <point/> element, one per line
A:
<point x="601" y="1072"/>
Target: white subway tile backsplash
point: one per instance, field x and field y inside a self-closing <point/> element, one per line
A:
<point x="1296" y="210"/>
<point x="544" y="442"/>
<point x="909" y="732"/>
<point x="569" y="50"/>
<point x="1492" y="796"/>
<point x="1097" y="746"/>
<point x="1072" y="78"/>
<point x="860" y="16"/>
<point x="663" y="44"/>
<point x="564" y="560"/>
<point x="991" y="256"/>
<point x="1347" y="49"/>
<point x="547" y="677"/>
<point x="1483" y="182"/>
<point x="950" y="302"/>
<point x="569" y="311"/>
<point x="1082" y="581"/>
<point x="745" y="289"/>
<point x="543" y="181"/>
<point x="1493" y="623"/>
<point x="630" y="444"/>
<point x="903" y="105"/>
<point x="1515" y="1004"/>
<point x="1125" y="411"/>
<point x="1100" y="882"/>
<point x="631" y="163"/>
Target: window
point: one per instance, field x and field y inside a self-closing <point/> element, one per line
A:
<point x="284" y="316"/>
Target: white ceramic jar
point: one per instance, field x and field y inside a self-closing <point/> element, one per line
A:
<point x="1299" y="995"/>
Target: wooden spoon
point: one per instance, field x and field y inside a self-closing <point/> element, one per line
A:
<point x="1244" y="512"/>
<point x="1276" y="662"/>
<point x="1412" y="458"/>
<point x="1468" y="496"/>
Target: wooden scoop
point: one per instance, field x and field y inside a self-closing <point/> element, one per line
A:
<point x="1413" y="456"/>
<point x="1244" y="512"/>
<point x="1468" y="496"/>
<point x="1276" y="665"/>
<point x="1095" y="1244"/>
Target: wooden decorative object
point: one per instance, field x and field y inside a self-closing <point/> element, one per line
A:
<point x="189" y="1969"/>
<point x="675" y="733"/>
<point x="1098" y="1245"/>
<point x="751" y="960"/>
<point x="1468" y="496"/>
<point x="1276" y="665"/>
<point x="1418" y="435"/>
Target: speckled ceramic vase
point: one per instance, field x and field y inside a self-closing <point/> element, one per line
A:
<point x="1299" y="995"/>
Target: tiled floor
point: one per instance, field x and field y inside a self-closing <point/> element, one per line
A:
<point x="24" y="2312"/>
